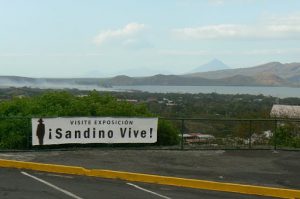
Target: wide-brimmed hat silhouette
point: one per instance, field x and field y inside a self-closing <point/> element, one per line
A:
<point x="40" y="120"/>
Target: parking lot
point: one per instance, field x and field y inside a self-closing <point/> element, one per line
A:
<point x="17" y="184"/>
<point x="264" y="168"/>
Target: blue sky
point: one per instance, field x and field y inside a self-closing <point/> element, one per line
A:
<point x="95" y="38"/>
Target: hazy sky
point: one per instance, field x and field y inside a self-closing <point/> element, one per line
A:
<point x="76" y="38"/>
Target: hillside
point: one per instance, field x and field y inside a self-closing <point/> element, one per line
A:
<point x="177" y="80"/>
<point x="273" y="73"/>
<point x="276" y="68"/>
<point x="270" y="74"/>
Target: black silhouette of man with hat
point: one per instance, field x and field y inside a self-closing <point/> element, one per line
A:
<point x="40" y="131"/>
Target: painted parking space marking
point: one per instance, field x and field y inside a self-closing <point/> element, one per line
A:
<point x="52" y="185"/>
<point x="148" y="191"/>
<point x="155" y="179"/>
<point x="60" y="176"/>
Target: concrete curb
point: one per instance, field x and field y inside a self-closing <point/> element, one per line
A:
<point x="156" y="179"/>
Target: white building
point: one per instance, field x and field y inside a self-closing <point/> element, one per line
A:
<point x="197" y="138"/>
<point x="285" y="111"/>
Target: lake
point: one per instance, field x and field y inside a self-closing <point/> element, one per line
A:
<point x="280" y="92"/>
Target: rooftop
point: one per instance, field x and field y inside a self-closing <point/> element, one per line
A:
<point x="285" y="111"/>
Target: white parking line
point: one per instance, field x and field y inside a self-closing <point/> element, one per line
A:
<point x="52" y="185"/>
<point x="140" y="188"/>
<point x="61" y="176"/>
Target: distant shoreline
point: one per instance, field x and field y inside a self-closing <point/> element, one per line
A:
<point x="279" y="92"/>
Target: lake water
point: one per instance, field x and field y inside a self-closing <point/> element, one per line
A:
<point x="280" y="92"/>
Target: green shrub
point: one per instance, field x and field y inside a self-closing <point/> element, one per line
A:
<point x="167" y="133"/>
<point x="286" y="137"/>
<point x="13" y="132"/>
<point x="296" y="142"/>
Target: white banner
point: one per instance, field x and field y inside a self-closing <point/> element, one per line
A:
<point x="83" y="130"/>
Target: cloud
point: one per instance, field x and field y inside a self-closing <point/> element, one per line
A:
<point x="89" y="54"/>
<point x="16" y="54"/>
<point x="137" y="43"/>
<point x="126" y="32"/>
<point x="212" y="32"/>
<point x="250" y="52"/>
<point x="272" y="51"/>
<point x="183" y="52"/>
<point x="216" y="2"/>
<point x="183" y="3"/>
<point x="287" y="27"/>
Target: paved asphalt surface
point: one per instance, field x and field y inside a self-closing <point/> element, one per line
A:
<point x="265" y="168"/>
<point x="20" y="184"/>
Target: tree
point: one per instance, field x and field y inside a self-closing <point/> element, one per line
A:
<point x="14" y="131"/>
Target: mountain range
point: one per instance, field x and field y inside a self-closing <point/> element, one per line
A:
<point x="213" y="65"/>
<point x="269" y="74"/>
